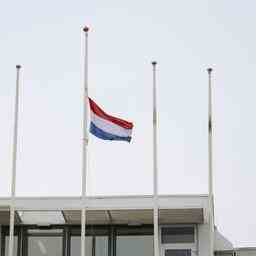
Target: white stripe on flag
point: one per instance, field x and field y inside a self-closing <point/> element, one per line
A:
<point x="110" y="127"/>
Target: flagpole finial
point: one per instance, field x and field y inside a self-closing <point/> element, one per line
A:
<point x="18" y="66"/>
<point x="209" y="70"/>
<point x="154" y="63"/>
<point x="86" y="29"/>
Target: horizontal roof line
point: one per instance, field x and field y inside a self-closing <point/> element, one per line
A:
<point x="107" y="196"/>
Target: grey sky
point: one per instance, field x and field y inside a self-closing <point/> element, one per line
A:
<point x="185" y="37"/>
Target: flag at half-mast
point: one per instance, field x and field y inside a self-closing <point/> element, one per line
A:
<point x="107" y="127"/>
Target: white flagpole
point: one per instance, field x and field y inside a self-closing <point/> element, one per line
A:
<point x="210" y="175"/>
<point x="14" y="162"/>
<point x="85" y="143"/>
<point x="156" y="228"/>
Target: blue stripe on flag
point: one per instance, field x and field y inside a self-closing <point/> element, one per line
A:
<point x="105" y="135"/>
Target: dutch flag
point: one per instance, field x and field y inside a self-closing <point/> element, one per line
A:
<point x="108" y="127"/>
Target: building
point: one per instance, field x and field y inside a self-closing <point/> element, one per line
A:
<point x="116" y="226"/>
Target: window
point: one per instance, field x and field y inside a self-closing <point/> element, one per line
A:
<point x="41" y="246"/>
<point x="170" y="235"/>
<point x="96" y="241"/>
<point x="75" y="246"/>
<point x="101" y="246"/>
<point x="97" y="246"/>
<point x="135" y="241"/>
<point x="42" y="242"/>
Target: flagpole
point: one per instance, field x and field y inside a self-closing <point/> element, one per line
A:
<point x="14" y="161"/>
<point x="85" y="143"/>
<point x="156" y="235"/>
<point x="210" y="175"/>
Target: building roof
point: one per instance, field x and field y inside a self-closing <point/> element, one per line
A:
<point x="107" y="210"/>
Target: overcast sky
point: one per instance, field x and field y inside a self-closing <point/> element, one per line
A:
<point x="185" y="37"/>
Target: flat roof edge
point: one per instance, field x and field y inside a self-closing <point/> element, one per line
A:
<point x="108" y="196"/>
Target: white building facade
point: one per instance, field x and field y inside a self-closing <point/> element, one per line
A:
<point x="115" y="226"/>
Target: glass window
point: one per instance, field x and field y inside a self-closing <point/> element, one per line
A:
<point x="15" y="245"/>
<point x="41" y="245"/>
<point x="42" y="242"/>
<point x="172" y="235"/>
<point x="97" y="246"/>
<point x="101" y="246"/>
<point x="75" y="246"/>
<point x="177" y="253"/>
<point x="138" y="245"/>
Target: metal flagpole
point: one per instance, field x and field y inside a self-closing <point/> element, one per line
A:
<point x="85" y="143"/>
<point x="14" y="161"/>
<point x="156" y="240"/>
<point x="210" y="175"/>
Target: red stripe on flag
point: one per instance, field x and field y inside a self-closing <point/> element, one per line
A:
<point x="99" y="112"/>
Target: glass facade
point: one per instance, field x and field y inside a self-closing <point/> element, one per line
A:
<point x="94" y="245"/>
<point x="101" y="246"/>
<point x="122" y="240"/>
<point x="136" y="241"/>
<point x="43" y="245"/>
<point x="75" y="246"/>
<point x="65" y="240"/>
<point x="134" y="245"/>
